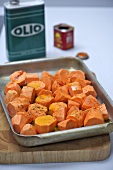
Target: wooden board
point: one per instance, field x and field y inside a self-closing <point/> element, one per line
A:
<point x="88" y="149"/>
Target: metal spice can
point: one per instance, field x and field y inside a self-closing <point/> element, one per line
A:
<point x="64" y="36"/>
<point x="25" y="29"/>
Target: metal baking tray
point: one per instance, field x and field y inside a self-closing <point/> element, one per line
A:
<point x="52" y="65"/>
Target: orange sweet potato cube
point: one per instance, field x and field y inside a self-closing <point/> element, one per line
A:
<point x="31" y="77"/>
<point x="28" y="92"/>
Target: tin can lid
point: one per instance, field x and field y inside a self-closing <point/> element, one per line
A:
<point x="63" y="27"/>
<point x="82" y="55"/>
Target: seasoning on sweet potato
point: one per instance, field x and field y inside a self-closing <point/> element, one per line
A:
<point x="27" y="115"/>
<point x="24" y="101"/>
<point x="45" y="98"/>
<point x="56" y="106"/>
<point x="89" y="90"/>
<point x="93" y="117"/>
<point x="18" y="121"/>
<point x="45" y="124"/>
<point x="28" y="130"/>
<point x="37" y="110"/>
<point x="74" y="88"/>
<point x="62" y="96"/>
<point x="12" y="86"/>
<point x="104" y="111"/>
<point x="18" y="77"/>
<point x="14" y="107"/>
<point x="67" y="124"/>
<point x="37" y="85"/>
<point x="72" y="103"/>
<point x="62" y="76"/>
<point x="79" y="98"/>
<point x="10" y="96"/>
<point x="31" y="77"/>
<point x="28" y="93"/>
<point x="89" y="102"/>
<point x="77" y="116"/>
<point x="78" y="74"/>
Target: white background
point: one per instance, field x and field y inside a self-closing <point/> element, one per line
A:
<point x="93" y="25"/>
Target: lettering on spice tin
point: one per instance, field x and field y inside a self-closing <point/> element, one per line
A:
<point x="27" y="30"/>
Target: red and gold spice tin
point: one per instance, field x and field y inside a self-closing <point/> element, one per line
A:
<point x="64" y="36"/>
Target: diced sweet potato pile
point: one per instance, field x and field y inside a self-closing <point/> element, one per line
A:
<point x="42" y="104"/>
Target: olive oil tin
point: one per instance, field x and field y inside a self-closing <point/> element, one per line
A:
<point x="25" y="29"/>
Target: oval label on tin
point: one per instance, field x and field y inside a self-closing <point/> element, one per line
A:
<point x="27" y="30"/>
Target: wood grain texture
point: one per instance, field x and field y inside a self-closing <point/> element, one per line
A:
<point x="87" y="149"/>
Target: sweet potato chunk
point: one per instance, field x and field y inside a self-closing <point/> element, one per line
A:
<point x="77" y="116"/>
<point x="104" y="111"/>
<point x="17" y="105"/>
<point x="82" y="82"/>
<point x="79" y="98"/>
<point x="72" y="103"/>
<point x="88" y="82"/>
<point x="62" y="96"/>
<point x="67" y="124"/>
<point x="18" y="122"/>
<point x="62" y="76"/>
<point x="45" y="73"/>
<point x="93" y="117"/>
<point x="73" y="108"/>
<point x="12" y="86"/>
<point x="45" y="98"/>
<point x="10" y="96"/>
<point x="45" y="124"/>
<point x="37" y="85"/>
<point x="28" y="130"/>
<point x="28" y="92"/>
<point x="18" y="77"/>
<point x="14" y="107"/>
<point x="78" y="74"/>
<point x="27" y="115"/>
<point x="31" y="77"/>
<point x="37" y="110"/>
<point x="55" y="86"/>
<point x="74" y="88"/>
<point x="47" y="92"/>
<point x="89" y="90"/>
<point x="61" y="88"/>
<point x="47" y="80"/>
<point x="60" y="114"/>
<point x="89" y="102"/>
<point x="56" y="106"/>
<point x="24" y="101"/>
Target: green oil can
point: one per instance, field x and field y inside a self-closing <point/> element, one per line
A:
<point x="25" y="29"/>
